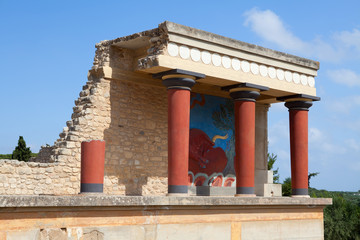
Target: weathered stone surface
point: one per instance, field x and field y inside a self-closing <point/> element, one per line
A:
<point x="108" y="200"/>
<point x="53" y="233"/>
<point x="232" y="43"/>
<point x="127" y="112"/>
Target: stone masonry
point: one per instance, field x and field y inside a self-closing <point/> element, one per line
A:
<point x="131" y="118"/>
<point x="117" y="104"/>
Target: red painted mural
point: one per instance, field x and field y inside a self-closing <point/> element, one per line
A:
<point x="203" y="157"/>
<point x="211" y="141"/>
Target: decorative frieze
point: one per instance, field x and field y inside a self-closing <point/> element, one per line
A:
<point x="236" y="64"/>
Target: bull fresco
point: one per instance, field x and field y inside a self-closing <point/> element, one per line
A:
<point x="211" y="149"/>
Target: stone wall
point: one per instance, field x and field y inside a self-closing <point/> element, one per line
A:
<point x="126" y="109"/>
<point x="19" y="178"/>
<point x="130" y="117"/>
<point x="44" y="155"/>
<point x="136" y="140"/>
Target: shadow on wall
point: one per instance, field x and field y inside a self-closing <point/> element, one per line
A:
<point x="136" y="141"/>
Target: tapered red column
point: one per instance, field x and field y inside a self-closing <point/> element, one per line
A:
<point x="245" y="96"/>
<point x="92" y="166"/>
<point x="245" y="141"/>
<point x="178" y="83"/>
<point x="178" y="140"/>
<point x="245" y="146"/>
<point x="298" y="118"/>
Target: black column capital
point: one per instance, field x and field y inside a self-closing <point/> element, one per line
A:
<point x="245" y="91"/>
<point x="178" y="78"/>
<point x="245" y="95"/>
<point x="298" y="101"/>
<point x="298" y="105"/>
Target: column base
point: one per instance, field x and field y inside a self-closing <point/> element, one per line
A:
<point x="177" y="195"/>
<point x="300" y="191"/>
<point x="245" y="195"/>
<point x="91" y="188"/>
<point x="177" y="189"/>
<point x="245" y="190"/>
<point x="300" y="196"/>
<point x="91" y="193"/>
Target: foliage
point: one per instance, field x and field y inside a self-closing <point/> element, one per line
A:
<point x="271" y="160"/>
<point x="5" y="156"/>
<point x="21" y="152"/>
<point x="342" y="218"/>
<point x="286" y="187"/>
<point x="312" y="175"/>
<point x="9" y="156"/>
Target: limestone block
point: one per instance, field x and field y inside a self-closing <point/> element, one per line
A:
<point x="53" y="233"/>
<point x="70" y="144"/>
<point x="272" y="190"/>
<point x="12" y="180"/>
<point x="22" y="235"/>
<point x="6" y="168"/>
<point x="261" y="176"/>
<point x="65" y="151"/>
<point x="194" y="231"/>
<point x="67" y="169"/>
<point x="270" y="176"/>
<point x="295" y="229"/>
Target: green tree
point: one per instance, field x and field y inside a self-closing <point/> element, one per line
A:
<point x="286" y="187"/>
<point x="21" y="152"/>
<point x="271" y="160"/>
<point x="312" y="175"/>
<point x="341" y="219"/>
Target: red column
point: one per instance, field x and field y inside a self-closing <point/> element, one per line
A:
<point x="245" y="147"/>
<point x="179" y="83"/>
<point x="92" y="166"/>
<point x="178" y="140"/>
<point x="298" y="118"/>
<point x="245" y="96"/>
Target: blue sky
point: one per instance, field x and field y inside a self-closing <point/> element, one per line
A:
<point x="47" y="47"/>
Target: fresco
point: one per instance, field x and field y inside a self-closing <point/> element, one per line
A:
<point x="211" y="150"/>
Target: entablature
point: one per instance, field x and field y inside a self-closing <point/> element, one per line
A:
<point x="224" y="61"/>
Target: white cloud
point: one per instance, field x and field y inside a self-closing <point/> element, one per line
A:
<point x="278" y="108"/>
<point x="278" y="132"/>
<point x="321" y="143"/>
<point x="353" y="125"/>
<point x="340" y="46"/>
<point x="344" y="105"/>
<point x="315" y="135"/>
<point x="269" y="26"/>
<point x="349" y="39"/>
<point x="353" y="144"/>
<point x="344" y="76"/>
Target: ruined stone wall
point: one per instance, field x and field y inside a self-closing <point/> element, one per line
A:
<point x="28" y="178"/>
<point x="60" y="172"/>
<point x="131" y="118"/>
<point x="44" y="155"/>
<point x="136" y="140"/>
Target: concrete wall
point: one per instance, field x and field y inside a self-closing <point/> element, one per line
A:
<point x="161" y="218"/>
